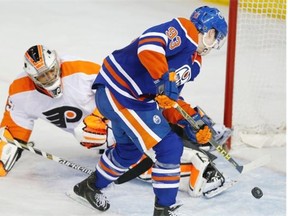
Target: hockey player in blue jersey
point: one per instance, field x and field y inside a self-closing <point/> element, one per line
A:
<point x="133" y="83"/>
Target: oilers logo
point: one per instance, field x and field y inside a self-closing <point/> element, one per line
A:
<point x="156" y="119"/>
<point x="183" y="75"/>
<point x="60" y="116"/>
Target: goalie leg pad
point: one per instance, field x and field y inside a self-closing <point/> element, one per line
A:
<point x="197" y="182"/>
<point x="9" y="153"/>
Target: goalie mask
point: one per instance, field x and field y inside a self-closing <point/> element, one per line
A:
<point x="43" y="67"/>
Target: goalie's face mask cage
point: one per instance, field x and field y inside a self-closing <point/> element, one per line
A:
<point x="43" y="67"/>
<point x="206" y="18"/>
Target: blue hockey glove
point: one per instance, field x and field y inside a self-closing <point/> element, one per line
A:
<point x="201" y="136"/>
<point x="167" y="85"/>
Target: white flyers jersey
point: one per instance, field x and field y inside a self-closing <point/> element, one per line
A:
<point x="27" y="102"/>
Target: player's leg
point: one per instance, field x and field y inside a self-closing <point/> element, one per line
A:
<point x="9" y="153"/>
<point x="149" y="129"/>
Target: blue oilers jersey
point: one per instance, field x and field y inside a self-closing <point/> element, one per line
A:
<point x="130" y="73"/>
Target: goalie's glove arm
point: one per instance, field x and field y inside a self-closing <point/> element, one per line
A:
<point x="92" y="131"/>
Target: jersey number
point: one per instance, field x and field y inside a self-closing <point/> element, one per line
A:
<point x="172" y="34"/>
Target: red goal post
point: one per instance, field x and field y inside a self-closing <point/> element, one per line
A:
<point x="255" y="95"/>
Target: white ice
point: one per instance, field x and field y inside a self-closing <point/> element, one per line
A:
<point x="91" y="30"/>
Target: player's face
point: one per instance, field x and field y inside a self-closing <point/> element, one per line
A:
<point x="48" y="78"/>
<point x="209" y="41"/>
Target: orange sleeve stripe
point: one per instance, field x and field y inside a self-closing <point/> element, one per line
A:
<point x="154" y="62"/>
<point x="21" y="85"/>
<point x="17" y="132"/>
<point x="190" y="28"/>
<point x="145" y="136"/>
<point x="173" y="116"/>
<point x="149" y="40"/>
<point x="71" y="67"/>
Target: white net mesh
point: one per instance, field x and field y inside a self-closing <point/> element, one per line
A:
<point x="259" y="105"/>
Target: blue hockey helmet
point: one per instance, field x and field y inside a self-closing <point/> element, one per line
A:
<point x="206" y="18"/>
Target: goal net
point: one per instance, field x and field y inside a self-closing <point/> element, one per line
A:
<point x="259" y="95"/>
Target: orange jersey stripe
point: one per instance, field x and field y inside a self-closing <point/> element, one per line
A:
<point x="191" y="29"/>
<point x="115" y="76"/>
<point x="21" y="85"/>
<point x="17" y="132"/>
<point x="71" y="67"/>
<point x="154" y="62"/>
<point x="147" y="40"/>
<point x="149" y="141"/>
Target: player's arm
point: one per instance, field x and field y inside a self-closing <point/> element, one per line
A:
<point x="201" y="136"/>
<point x="10" y="130"/>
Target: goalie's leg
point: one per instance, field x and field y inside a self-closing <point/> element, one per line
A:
<point x="9" y="153"/>
<point x="204" y="177"/>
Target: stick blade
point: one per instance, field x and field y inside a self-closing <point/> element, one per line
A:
<point x="132" y="173"/>
<point x="256" y="163"/>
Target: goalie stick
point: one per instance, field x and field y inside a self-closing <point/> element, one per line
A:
<point x="127" y="176"/>
<point x="50" y="156"/>
<point x="240" y="168"/>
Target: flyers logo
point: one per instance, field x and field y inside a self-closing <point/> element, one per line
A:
<point x="60" y="116"/>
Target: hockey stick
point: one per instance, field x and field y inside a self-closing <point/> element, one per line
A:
<point x="240" y="168"/>
<point x="127" y="176"/>
<point x="135" y="171"/>
<point x="50" y="156"/>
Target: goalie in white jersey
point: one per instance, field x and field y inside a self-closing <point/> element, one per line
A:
<point x="58" y="90"/>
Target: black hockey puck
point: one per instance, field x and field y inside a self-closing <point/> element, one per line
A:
<point x="257" y="192"/>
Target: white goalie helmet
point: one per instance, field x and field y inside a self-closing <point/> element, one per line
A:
<point x="43" y="67"/>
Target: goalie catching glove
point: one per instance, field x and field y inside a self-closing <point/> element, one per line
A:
<point x="9" y="153"/>
<point x="92" y="131"/>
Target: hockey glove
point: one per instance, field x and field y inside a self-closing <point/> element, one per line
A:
<point x="167" y="86"/>
<point x="165" y="102"/>
<point x="92" y="131"/>
<point x="9" y="153"/>
<point x="201" y="136"/>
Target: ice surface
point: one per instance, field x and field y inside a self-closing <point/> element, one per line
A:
<point x="91" y="30"/>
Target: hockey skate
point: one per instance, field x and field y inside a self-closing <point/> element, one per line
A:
<point x="94" y="196"/>
<point x="165" y="211"/>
